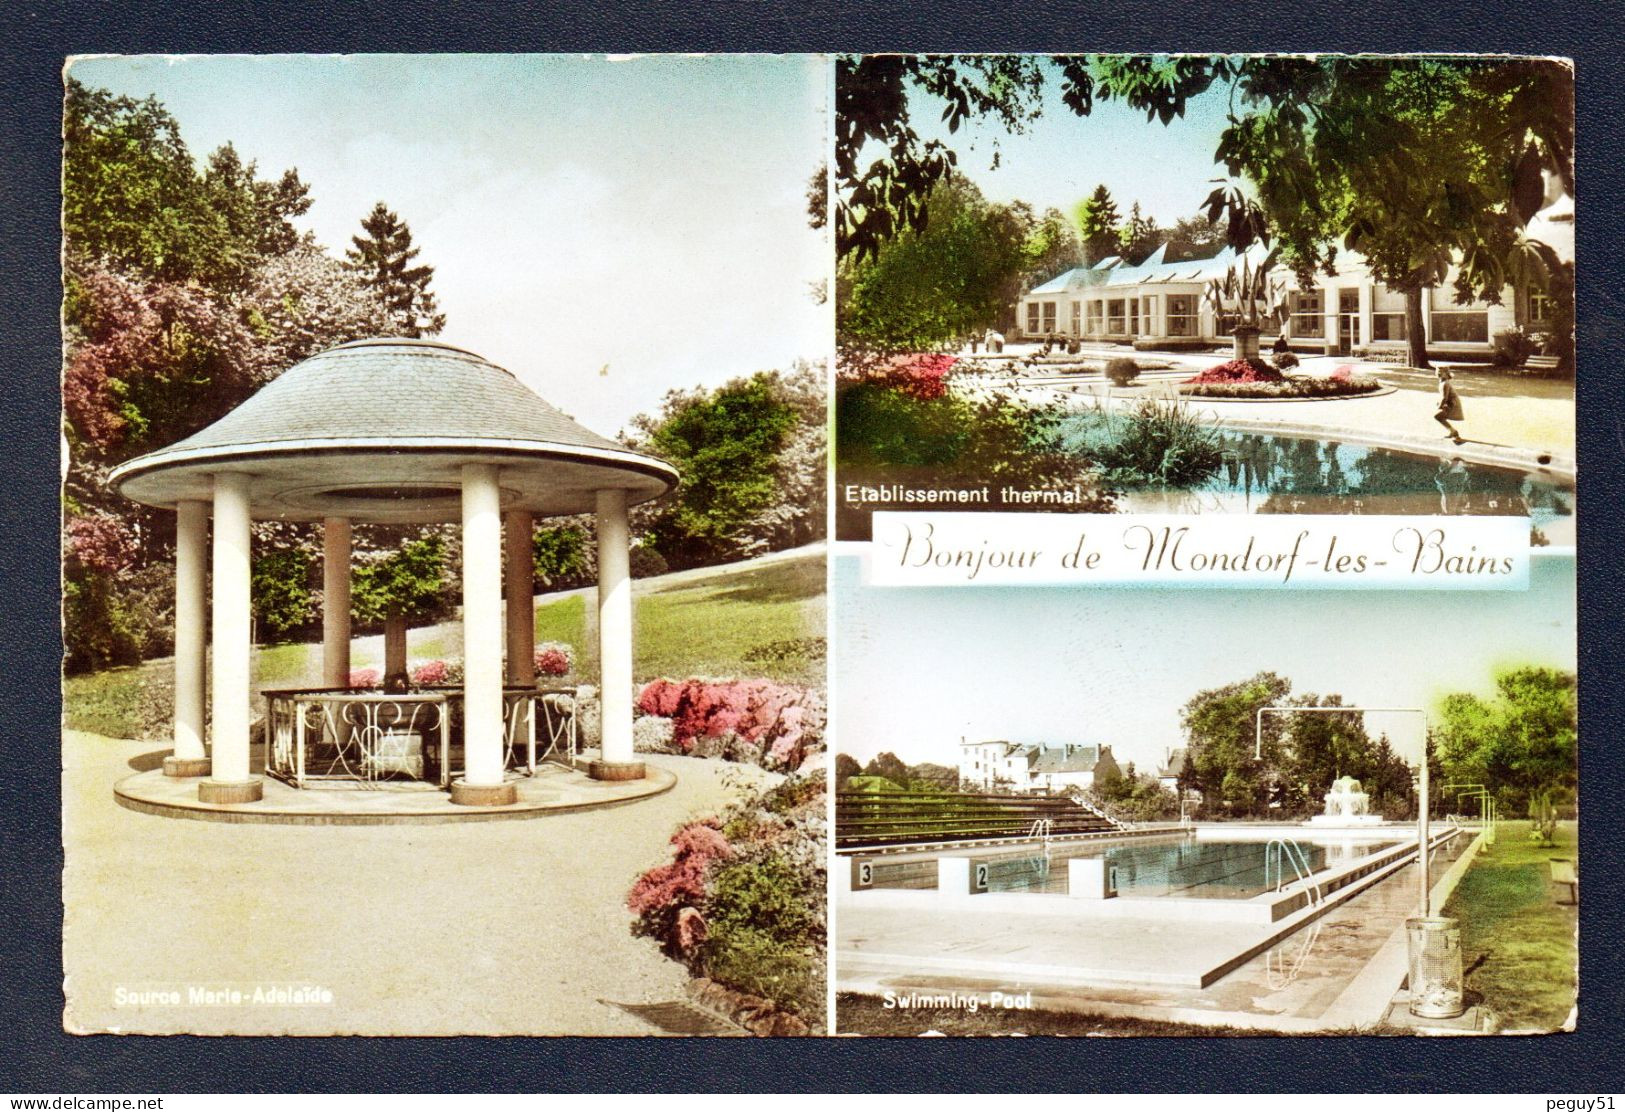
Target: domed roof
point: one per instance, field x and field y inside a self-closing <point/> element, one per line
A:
<point x="378" y="430"/>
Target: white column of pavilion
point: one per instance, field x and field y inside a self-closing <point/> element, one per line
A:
<point x="191" y="643"/>
<point x="229" y="779"/>
<point x="483" y="733"/>
<point x="616" y="756"/>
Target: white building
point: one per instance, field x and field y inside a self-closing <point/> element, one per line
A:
<point x="1017" y="767"/>
<point x="1173" y="765"/>
<point x="1159" y="304"/>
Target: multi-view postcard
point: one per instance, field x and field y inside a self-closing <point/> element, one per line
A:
<point x="754" y="545"/>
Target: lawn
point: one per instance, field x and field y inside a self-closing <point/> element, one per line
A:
<point x="1517" y="940"/>
<point x="868" y="1015"/>
<point x="748" y="620"/>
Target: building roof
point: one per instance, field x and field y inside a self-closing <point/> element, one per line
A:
<point x="1067" y="758"/>
<point x="379" y="429"/>
<point x="1152" y="271"/>
<point x="1174" y="765"/>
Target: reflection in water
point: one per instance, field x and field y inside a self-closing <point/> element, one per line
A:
<point x="1304" y="475"/>
<point x="1284" y="962"/>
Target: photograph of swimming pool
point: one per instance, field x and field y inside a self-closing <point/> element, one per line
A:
<point x="1181" y="866"/>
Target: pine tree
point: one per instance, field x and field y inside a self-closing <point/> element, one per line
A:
<point x="1097" y="222"/>
<point x="383" y="257"/>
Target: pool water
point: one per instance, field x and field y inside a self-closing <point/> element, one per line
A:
<point x="1184" y="868"/>
<point x="1304" y="475"/>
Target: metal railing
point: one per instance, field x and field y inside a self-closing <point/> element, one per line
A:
<point x="375" y="739"/>
<point x="1285" y="851"/>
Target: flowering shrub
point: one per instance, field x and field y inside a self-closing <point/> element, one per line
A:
<point x="661" y="894"/>
<point x="920" y="376"/>
<point x="743" y="901"/>
<point x="363" y="677"/>
<point x="553" y="659"/>
<point x="772" y="724"/>
<point x="433" y="671"/>
<point x="101" y="542"/>
<point x="1238" y="370"/>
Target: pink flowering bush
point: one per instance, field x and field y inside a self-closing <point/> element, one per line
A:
<point x="553" y="659"/>
<point x="363" y="677"/>
<point x="743" y="904"/>
<point x="919" y="376"/>
<point x="778" y="724"/>
<point x="661" y="894"/>
<point x="433" y="671"/>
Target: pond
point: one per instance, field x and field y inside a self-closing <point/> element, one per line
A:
<point x="1272" y="473"/>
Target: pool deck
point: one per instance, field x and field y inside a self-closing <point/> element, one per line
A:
<point x="1337" y="973"/>
<point x="1512" y="420"/>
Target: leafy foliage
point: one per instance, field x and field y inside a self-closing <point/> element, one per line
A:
<point x="279" y="585"/>
<point x="411" y="582"/>
<point x="1098" y="223"/>
<point x="751" y="454"/>
<point x="1520" y="744"/>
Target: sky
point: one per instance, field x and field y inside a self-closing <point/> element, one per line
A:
<point x="918" y="668"/>
<point x="648" y="213"/>
<point x="1061" y="157"/>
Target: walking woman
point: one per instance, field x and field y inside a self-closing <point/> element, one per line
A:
<point x="1449" y="406"/>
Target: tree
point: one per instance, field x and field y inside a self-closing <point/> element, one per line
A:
<point x="1522" y="744"/>
<point x="1138" y="237"/>
<point x="383" y="256"/>
<point x="1098" y="225"/>
<point x="410" y="582"/>
<point x="134" y="202"/>
<point x="845" y="768"/>
<point x="877" y="201"/>
<point x="1219" y="727"/>
<point x="1193" y="237"/>
<point x="952" y="279"/>
<point x="752" y="465"/>
<point x="888" y="766"/>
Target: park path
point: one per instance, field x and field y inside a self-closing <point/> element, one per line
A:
<point x="498" y="928"/>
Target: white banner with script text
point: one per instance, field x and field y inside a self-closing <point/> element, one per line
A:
<point x="1338" y="552"/>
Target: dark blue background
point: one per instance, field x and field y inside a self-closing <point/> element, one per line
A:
<point x="36" y="1056"/>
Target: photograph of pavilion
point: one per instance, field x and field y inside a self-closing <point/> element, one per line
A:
<point x="399" y="697"/>
<point x="1206" y="284"/>
<point x="1248" y="861"/>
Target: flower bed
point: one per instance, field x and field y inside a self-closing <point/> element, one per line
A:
<point x="757" y="721"/>
<point x="1347" y="386"/>
<point x="742" y="902"/>
<point x="1237" y="370"/>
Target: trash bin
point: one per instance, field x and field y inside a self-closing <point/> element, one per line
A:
<point x="1434" y="944"/>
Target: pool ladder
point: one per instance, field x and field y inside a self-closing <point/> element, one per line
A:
<point x="1042" y="830"/>
<point x="1283" y="852"/>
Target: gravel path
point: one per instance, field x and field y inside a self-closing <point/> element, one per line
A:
<point x="484" y="928"/>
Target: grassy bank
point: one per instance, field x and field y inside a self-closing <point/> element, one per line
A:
<point x="749" y="619"/>
<point x="868" y="1015"/>
<point x="1516" y="939"/>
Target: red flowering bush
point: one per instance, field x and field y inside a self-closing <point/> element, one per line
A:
<point x="553" y="659"/>
<point x="363" y="677"/>
<point x="1238" y="370"/>
<point x="432" y="672"/>
<point x="661" y="894"/>
<point x="778" y="724"/>
<point x="920" y="376"/>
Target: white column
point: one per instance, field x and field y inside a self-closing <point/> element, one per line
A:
<point x="519" y="576"/>
<point x="482" y="627"/>
<point x="191" y="612"/>
<point x="229" y="781"/>
<point x="336" y="601"/>
<point x="615" y="638"/>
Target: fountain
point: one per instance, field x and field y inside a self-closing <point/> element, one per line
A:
<point x="1347" y="805"/>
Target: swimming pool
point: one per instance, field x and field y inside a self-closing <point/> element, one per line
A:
<point x="1178" y="867"/>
